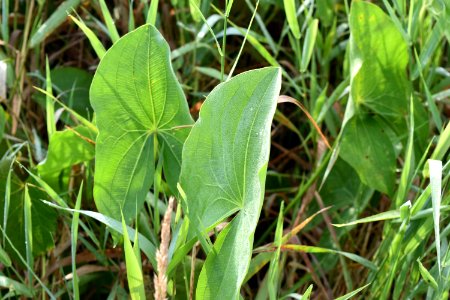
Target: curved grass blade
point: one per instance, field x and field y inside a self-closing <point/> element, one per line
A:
<point x="353" y="293"/>
<point x="28" y="234"/>
<point x="56" y="19"/>
<point x="308" y="46"/>
<point x="109" y="22"/>
<point x="134" y="271"/>
<point x="18" y="288"/>
<point x="291" y="16"/>
<point x="74" y="238"/>
<point x="93" y="39"/>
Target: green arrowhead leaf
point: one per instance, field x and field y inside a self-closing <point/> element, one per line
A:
<point x="137" y="100"/>
<point x="379" y="85"/>
<point x="368" y="149"/>
<point x="378" y="58"/>
<point x="223" y="172"/>
<point x="67" y="148"/>
<point x="43" y="218"/>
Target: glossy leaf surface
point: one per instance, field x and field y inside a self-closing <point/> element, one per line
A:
<point x="224" y="166"/>
<point x="67" y="148"/>
<point x="378" y="58"/>
<point x="137" y="100"/>
<point x="368" y="149"/>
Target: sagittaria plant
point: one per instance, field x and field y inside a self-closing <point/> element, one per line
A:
<point x="216" y="166"/>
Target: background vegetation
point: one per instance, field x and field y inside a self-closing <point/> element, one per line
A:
<point x="373" y="105"/>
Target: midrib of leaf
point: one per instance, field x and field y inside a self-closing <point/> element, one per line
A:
<point x="149" y="80"/>
<point x="240" y="193"/>
<point x="248" y="141"/>
<point x="135" y="89"/>
<point x="116" y="94"/>
<point x="161" y="134"/>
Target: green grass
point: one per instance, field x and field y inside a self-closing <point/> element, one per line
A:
<point x="366" y="218"/>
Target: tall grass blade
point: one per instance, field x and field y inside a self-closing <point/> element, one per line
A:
<point x="16" y="287"/>
<point x="195" y="11"/>
<point x="79" y="117"/>
<point x="427" y="277"/>
<point x="113" y="34"/>
<point x="291" y="16"/>
<point x="74" y="236"/>
<point x="436" y="187"/>
<point x="131" y="24"/>
<point x="7" y="198"/>
<point x="4" y="258"/>
<point x="308" y="46"/>
<point x="274" y="262"/>
<point x="134" y="272"/>
<point x="93" y="39"/>
<point x="353" y="293"/>
<point x="5" y="21"/>
<point x="146" y="245"/>
<point x="28" y="234"/>
<point x="152" y="12"/>
<point x="4" y="280"/>
<point x="55" y="20"/>
<point x="49" y="104"/>
<point x="243" y="43"/>
<point x="407" y="172"/>
<point x="3" y="80"/>
<point x="443" y="144"/>
<point x="307" y="294"/>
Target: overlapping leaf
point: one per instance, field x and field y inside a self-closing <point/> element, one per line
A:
<point x="137" y="100"/>
<point x="380" y="87"/>
<point x="223" y="172"/>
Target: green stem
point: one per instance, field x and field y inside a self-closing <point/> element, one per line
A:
<point x="224" y="42"/>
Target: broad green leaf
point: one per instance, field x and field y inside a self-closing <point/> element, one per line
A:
<point x="72" y="87"/>
<point x="223" y="172"/>
<point x="137" y="99"/>
<point x="378" y="58"/>
<point x="367" y="148"/>
<point x="67" y="148"/>
<point x="43" y="218"/>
